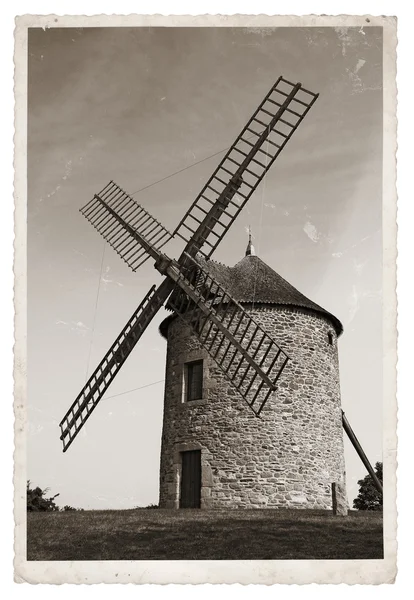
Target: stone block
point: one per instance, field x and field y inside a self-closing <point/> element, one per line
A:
<point x="206" y="475"/>
<point x="297" y="497"/>
<point x="258" y="499"/>
<point x="339" y="500"/>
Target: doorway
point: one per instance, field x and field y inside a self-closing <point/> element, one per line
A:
<point x="190" y="493"/>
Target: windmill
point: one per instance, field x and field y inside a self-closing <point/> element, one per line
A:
<point x="249" y="358"/>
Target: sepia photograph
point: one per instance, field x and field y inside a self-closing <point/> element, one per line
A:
<point x="205" y="268"/>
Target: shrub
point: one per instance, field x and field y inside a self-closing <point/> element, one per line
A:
<point x="369" y="498"/>
<point x="37" y="501"/>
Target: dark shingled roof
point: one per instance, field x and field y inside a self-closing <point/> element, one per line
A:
<point x="250" y="280"/>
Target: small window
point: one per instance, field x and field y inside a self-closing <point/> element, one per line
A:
<point x="330" y="339"/>
<point x="194" y="380"/>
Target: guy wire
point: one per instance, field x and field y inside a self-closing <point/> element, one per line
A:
<point x="95" y="312"/>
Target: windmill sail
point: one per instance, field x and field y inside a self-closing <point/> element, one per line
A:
<point x="249" y="358"/>
<point x="110" y="365"/>
<point x="244" y="166"/>
<point x="115" y="215"/>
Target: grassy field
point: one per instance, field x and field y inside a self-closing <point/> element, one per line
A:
<point x="158" y="534"/>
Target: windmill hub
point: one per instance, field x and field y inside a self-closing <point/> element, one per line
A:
<point x="163" y="263"/>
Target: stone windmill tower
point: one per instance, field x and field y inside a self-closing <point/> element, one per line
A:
<point x="215" y="452"/>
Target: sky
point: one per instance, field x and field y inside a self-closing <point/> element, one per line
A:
<point x="137" y="105"/>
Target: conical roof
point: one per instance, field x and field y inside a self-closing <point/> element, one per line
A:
<point x="251" y="280"/>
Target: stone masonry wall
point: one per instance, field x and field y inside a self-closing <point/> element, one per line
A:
<point x="288" y="458"/>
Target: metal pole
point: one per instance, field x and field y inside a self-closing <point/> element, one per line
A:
<point x="360" y="452"/>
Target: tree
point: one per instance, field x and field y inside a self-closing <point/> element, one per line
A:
<point x="369" y="498"/>
<point x="36" y="500"/>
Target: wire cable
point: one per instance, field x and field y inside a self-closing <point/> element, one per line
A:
<point x="184" y="169"/>
<point x="134" y="389"/>
<point x="95" y="312"/>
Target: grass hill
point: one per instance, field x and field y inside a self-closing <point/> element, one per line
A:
<point x="143" y="534"/>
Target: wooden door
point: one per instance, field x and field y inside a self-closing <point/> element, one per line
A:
<point x="190" y="479"/>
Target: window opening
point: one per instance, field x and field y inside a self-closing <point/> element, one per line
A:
<point x="194" y="380"/>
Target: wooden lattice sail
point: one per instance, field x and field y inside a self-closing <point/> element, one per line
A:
<point x="246" y="354"/>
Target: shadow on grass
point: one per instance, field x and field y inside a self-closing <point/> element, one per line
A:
<point x="203" y="535"/>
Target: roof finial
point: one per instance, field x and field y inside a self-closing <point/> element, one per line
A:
<point x="250" y="251"/>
